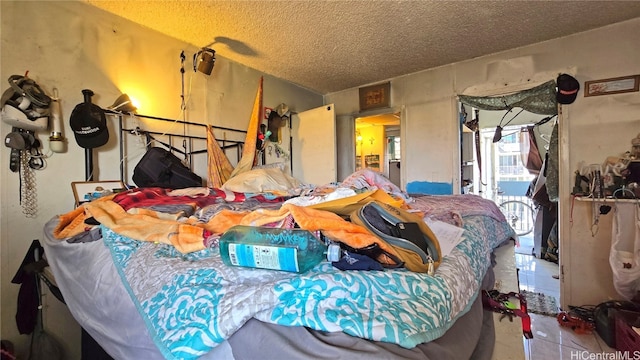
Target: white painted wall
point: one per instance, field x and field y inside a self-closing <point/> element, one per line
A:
<point x="73" y="46"/>
<point x="591" y="129"/>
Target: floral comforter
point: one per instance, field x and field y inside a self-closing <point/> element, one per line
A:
<point x="193" y="302"/>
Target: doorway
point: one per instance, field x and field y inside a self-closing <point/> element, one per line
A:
<point x="378" y="145"/>
<point x="497" y="171"/>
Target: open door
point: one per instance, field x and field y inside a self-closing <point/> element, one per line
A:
<point x="313" y="146"/>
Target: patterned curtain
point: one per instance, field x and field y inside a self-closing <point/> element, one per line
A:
<point x="249" y="150"/>
<point x="219" y="166"/>
<point x="538" y="100"/>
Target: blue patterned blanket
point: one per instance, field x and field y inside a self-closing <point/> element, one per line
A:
<point x="193" y="302"/>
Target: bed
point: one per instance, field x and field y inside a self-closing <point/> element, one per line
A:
<point x="159" y="299"/>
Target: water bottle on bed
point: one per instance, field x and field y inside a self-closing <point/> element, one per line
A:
<point x="293" y="250"/>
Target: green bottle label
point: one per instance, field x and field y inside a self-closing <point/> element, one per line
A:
<point x="264" y="257"/>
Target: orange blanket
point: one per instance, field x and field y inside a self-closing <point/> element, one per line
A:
<point x="72" y="223"/>
<point x="188" y="236"/>
<point x="148" y="226"/>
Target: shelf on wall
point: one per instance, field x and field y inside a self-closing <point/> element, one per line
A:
<point x="604" y="200"/>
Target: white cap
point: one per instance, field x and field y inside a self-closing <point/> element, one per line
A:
<point x="333" y="253"/>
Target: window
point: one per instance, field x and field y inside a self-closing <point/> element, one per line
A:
<point x="509" y="165"/>
<point x="510" y="138"/>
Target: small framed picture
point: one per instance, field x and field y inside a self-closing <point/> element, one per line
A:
<point x="85" y="191"/>
<point x="617" y="85"/>
<point x="375" y="96"/>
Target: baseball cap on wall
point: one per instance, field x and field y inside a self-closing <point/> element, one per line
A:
<point x="89" y="123"/>
<point x="568" y="88"/>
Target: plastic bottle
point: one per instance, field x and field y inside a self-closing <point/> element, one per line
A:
<point x="293" y="250"/>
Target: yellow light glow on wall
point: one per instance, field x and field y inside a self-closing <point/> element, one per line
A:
<point x="138" y="97"/>
<point x="135" y="102"/>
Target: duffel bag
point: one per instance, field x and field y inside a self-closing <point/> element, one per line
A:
<point x="160" y="168"/>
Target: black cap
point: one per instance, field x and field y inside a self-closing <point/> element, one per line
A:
<point x="568" y="88"/>
<point x="89" y="124"/>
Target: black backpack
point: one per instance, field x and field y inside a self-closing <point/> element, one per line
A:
<point x="160" y="168"/>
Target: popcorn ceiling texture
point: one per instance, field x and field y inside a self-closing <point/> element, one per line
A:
<point x="329" y="46"/>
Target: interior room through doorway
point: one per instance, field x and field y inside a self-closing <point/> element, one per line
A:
<point x="378" y="145"/>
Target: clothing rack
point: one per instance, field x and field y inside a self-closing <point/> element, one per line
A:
<point x="188" y="151"/>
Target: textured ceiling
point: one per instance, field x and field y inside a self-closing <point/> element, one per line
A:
<point x="328" y="46"/>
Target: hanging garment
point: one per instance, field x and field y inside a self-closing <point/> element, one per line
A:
<point x="624" y="257"/>
<point x="27" y="312"/>
<point x="539" y="191"/>
<point x="529" y="150"/>
<point x="553" y="169"/>
<point x="275" y="123"/>
<point x="474" y="125"/>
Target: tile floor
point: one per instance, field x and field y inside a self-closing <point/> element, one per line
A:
<point x="550" y="340"/>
